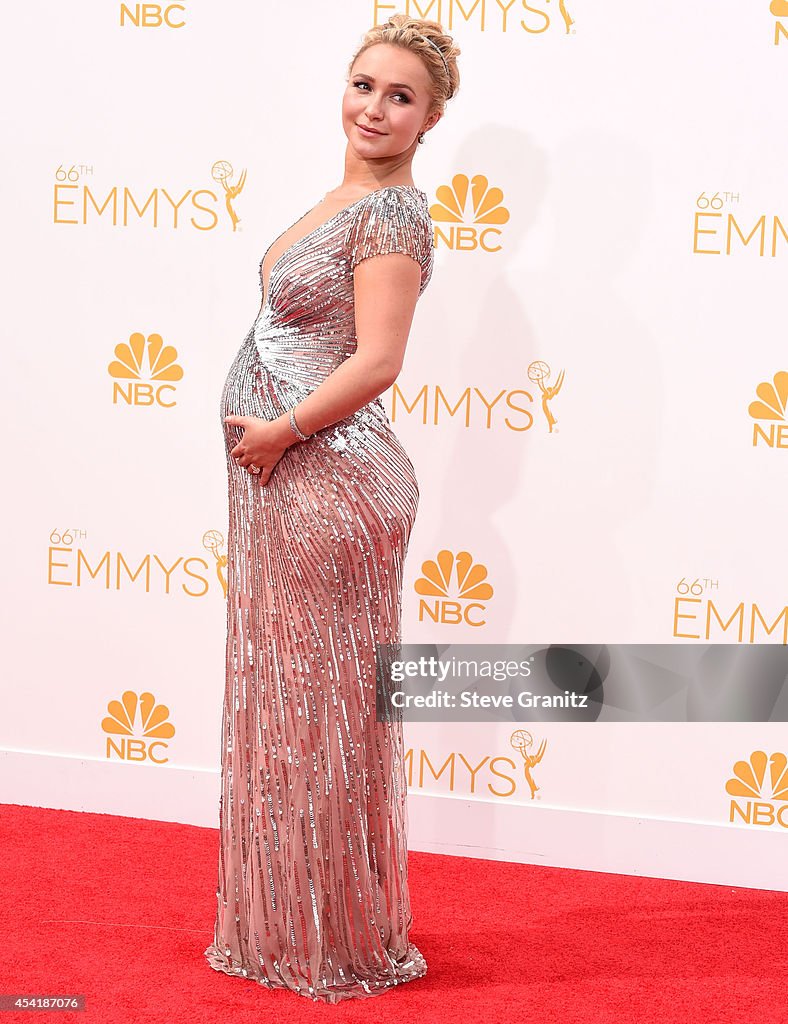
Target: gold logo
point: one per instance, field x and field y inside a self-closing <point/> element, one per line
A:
<point x="72" y="563"/>
<point x="749" y="776"/>
<point x="719" y="214"/>
<point x="779" y="8"/>
<point x="523" y="742"/>
<point x="772" y="398"/>
<point x="141" y="725"/>
<point x="151" y="15"/>
<point x="458" y="586"/>
<point x="770" y="406"/>
<point x="221" y="172"/>
<point x="77" y="200"/>
<point x="151" y="368"/>
<point x="473" y="212"/>
<point x="761" y="800"/>
<point x="213" y="541"/>
<point x="496" y="776"/>
<point x="568" y="19"/>
<point x="538" y="372"/>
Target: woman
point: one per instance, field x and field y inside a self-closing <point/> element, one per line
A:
<point x="313" y="887"/>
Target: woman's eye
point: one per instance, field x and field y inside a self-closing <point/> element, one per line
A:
<point x="400" y="94"/>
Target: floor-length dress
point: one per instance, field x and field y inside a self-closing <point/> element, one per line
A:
<point x="312" y="890"/>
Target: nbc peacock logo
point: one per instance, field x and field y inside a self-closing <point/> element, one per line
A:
<point x="779" y="8"/>
<point x="468" y="214"/>
<point x="768" y="411"/>
<point x="760" y="801"/>
<point x="453" y="590"/>
<point x="136" y="728"/>
<point x="144" y="372"/>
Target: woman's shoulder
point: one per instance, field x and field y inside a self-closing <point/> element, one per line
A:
<point x="396" y="200"/>
<point x="390" y="218"/>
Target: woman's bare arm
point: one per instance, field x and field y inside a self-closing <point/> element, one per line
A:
<point x="386" y="289"/>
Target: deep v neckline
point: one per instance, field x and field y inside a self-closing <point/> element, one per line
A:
<point x="267" y="286"/>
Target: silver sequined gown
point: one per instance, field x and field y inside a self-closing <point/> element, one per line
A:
<point x="313" y="883"/>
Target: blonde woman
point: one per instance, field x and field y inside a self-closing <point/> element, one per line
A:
<point x="313" y="881"/>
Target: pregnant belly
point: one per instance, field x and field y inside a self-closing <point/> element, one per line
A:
<point x="361" y="448"/>
<point x="251" y="388"/>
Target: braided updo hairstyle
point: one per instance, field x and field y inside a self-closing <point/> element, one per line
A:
<point x="402" y="30"/>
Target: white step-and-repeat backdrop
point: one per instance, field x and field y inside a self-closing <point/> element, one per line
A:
<point x="593" y="395"/>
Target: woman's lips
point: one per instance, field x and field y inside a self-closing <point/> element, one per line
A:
<point x="368" y="132"/>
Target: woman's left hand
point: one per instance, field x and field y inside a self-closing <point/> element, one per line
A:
<point x="263" y="444"/>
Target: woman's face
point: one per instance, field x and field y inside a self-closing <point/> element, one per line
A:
<point x="388" y="91"/>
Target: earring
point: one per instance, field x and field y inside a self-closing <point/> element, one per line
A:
<point x="421" y="137"/>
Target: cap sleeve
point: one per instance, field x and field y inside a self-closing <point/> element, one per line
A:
<point x="390" y="221"/>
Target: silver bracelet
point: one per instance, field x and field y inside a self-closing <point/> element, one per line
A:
<point x="295" y="428"/>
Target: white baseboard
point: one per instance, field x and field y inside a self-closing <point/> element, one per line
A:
<point x="586" y="840"/>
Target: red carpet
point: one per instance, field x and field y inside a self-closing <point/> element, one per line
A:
<point x="120" y="910"/>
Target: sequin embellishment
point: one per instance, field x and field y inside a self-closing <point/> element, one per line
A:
<point x="312" y="891"/>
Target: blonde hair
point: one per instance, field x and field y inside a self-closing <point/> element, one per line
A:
<point x="402" y="30"/>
